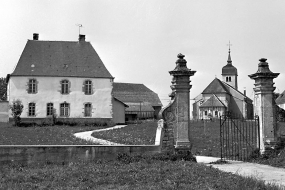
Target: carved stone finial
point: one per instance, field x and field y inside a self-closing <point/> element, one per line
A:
<point x="180" y="56"/>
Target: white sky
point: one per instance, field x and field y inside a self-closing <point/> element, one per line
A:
<point x="138" y="40"/>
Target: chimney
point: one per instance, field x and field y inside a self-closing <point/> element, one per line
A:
<point x="81" y="38"/>
<point x="35" y="36"/>
<point x="244" y="92"/>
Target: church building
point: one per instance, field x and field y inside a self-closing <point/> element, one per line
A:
<point x="223" y="96"/>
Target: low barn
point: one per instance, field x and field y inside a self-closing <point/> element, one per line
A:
<point x="142" y="102"/>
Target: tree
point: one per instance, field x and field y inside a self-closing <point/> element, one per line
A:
<point x="17" y="109"/>
<point x="3" y="89"/>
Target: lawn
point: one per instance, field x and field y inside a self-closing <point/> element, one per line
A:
<point x="48" y="135"/>
<point x="206" y="141"/>
<point x="133" y="134"/>
<point x="125" y="173"/>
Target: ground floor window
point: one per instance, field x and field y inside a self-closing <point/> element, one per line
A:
<point x="64" y="109"/>
<point x="49" y="109"/>
<point x="216" y="113"/>
<point x="32" y="109"/>
<point x="87" y="109"/>
<point x="205" y="112"/>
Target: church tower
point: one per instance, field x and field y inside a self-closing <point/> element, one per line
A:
<point x="229" y="73"/>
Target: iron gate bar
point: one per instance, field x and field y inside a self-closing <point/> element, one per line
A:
<point x="238" y="137"/>
<point x="240" y="132"/>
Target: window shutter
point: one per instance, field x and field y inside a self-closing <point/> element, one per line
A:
<point x="36" y="87"/>
<point x="27" y="87"/>
<point x="92" y="91"/>
<point x="60" y="86"/>
<point x="83" y="87"/>
<point x="69" y="86"/>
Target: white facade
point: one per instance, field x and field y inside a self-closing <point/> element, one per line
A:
<point x="49" y="91"/>
<point x="231" y="80"/>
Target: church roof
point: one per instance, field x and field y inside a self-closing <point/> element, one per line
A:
<point x="213" y="101"/>
<point x="281" y="98"/>
<point x="60" y="58"/>
<point x="215" y="87"/>
<point x="229" y="69"/>
<point x="136" y="93"/>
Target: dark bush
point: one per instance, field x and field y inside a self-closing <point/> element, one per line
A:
<point x="165" y="156"/>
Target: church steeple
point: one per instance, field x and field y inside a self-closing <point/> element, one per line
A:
<point x="229" y="57"/>
<point x="229" y="72"/>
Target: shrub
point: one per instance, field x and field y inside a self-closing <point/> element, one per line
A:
<point x="164" y="156"/>
<point x="17" y="108"/>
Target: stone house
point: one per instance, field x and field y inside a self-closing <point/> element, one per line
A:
<point x="142" y="102"/>
<point x="222" y="96"/>
<point x="67" y="76"/>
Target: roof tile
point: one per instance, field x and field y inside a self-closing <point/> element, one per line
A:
<point x="60" y="58"/>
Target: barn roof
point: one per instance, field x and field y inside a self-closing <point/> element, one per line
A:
<point x="135" y="93"/>
<point x="281" y="98"/>
<point x="60" y="58"/>
<point x="138" y="108"/>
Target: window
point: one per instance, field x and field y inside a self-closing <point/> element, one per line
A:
<point x="49" y="109"/>
<point x="88" y="87"/>
<point x="216" y="113"/>
<point x="230" y="79"/>
<point x="227" y="79"/>
<point x="65" y="87"/>
<point x="205" y="112"/>
<point x="64" y="109"/>
<point x="32" y="86"/>
<point x="32" y="109"/>
<point x="87" y="110"/>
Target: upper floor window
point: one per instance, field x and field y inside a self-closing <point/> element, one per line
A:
<point x="230" y="79"/>
<point x="49" y="109"/>
<point x="65" y="85"/>
<point x="64" y="109"/>
<point x="87" y="109"/>
<point x="88" y="87"/>
<point x="32" y="86"/>
<point x="32" y="109"/>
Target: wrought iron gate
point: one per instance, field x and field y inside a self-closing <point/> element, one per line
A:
<point x="239" y="138"/>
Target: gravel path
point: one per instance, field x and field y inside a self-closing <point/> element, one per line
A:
<point x="87" y="135"/>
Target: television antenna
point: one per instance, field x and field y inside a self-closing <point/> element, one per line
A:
<point x="79" y="26"/>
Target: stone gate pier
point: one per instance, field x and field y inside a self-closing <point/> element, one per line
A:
<point x="177" y="114"/>
<point x="264" y="104"/>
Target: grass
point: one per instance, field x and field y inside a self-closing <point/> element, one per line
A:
<point x="48" y="135"/>
<point x="133" y="134"/>
<point x="156" y="172"/>
<point x="206" y="141"/>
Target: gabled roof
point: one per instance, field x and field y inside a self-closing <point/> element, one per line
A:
<point x="136" y="93"/>
<point x="60" y="58"/>
<point x="215" y="87"/>
<point x="229" y="86"/>
<point x="121" y="102"/>
<point x="213" y="101"/>
<point x="281" y="98"/>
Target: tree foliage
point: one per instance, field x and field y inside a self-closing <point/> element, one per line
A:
<point x="17" y="109"/>
<point x="3" y="89"/>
